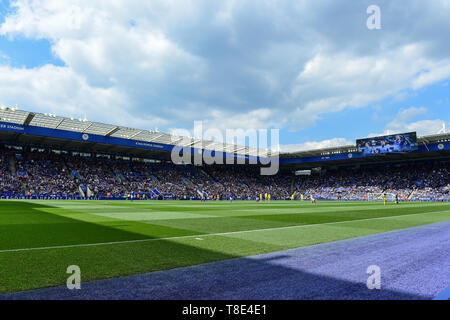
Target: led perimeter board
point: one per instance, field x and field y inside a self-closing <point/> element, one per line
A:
<point x="403" y="142"/>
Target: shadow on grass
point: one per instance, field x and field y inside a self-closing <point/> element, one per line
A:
<point x="244" y="278"/>
<point x="28" y="225"/>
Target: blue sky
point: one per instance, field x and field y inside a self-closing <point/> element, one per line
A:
<point x="313" y="70"/>
<point x="375" y="118"/>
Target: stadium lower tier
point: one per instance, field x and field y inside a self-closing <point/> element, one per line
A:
<point x="46" y="174"/>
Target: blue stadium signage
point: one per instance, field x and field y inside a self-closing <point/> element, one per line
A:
<point x="71" y="135"/>
<point x="5" y="126"/>
<point x="150" y="145"/>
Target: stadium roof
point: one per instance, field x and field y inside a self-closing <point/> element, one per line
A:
<point x="147" y="143"/>
<point x="50" y="121"/>
<point x="424" y="140"/>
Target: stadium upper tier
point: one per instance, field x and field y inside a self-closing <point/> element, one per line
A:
<point x="424" y="141"/>
<point x="48" y="121"/>
<point x="30" y="128"/>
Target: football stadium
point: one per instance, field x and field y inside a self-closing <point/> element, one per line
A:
<point x="108" y="201"/>
<point x="224" y="159"/>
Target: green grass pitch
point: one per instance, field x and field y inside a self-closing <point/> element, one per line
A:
<point x="40" y="239"/>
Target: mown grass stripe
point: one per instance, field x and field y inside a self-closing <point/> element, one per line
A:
<point x="208" y="235"/>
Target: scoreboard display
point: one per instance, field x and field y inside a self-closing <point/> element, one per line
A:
<point x="404" y="142"/>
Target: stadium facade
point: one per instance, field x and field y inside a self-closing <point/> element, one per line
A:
<point x="27" y="132"/>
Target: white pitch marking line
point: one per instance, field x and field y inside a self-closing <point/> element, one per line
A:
<point x="206" y="235"/>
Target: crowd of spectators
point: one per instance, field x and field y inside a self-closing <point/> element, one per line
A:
<point x="247" y="183"/>
<point x="9" y="182"/>
<point x="425" y="180"/>
<point x="49" y="174"/>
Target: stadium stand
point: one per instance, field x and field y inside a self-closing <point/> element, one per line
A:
<point x="43" y="174"/>
<point x="427" y="180"/>
<point x="44" y="156"/>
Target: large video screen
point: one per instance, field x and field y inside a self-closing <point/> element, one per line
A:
<point x="404" y="142"/>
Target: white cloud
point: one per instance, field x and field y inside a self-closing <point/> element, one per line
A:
<point x="402" y="122"/>
<point x="228" y="63"/>
<point x="331" y="83"/>
<point x="59" y="90"/>
<point x="422" y="127"/>
<point x="314" y="145"/>
<point x="437" y="73"/>
<point x="410" y="113"/>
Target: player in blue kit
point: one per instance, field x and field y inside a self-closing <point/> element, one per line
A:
<point x="203" y="198"/>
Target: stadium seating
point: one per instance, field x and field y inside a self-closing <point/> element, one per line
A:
<point x="45" y="174"/>
<point x="428" y="180"/>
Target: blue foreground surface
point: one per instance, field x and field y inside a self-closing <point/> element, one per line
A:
<point x="414" y="263"/>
